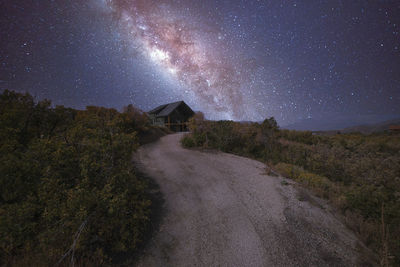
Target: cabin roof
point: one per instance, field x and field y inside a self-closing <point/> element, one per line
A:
<point x="394" y="127"/>
<point x="166" y="109"/>
<point x="157" y="109"/>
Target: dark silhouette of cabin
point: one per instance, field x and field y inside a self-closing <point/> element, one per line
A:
<point x="175" y="116"/>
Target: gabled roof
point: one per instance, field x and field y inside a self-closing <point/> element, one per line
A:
<point x="169" y="108"/>
<point x="157" y="109"/>
<point x="165" y="110"/>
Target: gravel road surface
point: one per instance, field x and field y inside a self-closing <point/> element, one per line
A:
<point x="223" y="210"/>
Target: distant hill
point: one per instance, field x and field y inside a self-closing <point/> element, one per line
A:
<point x="371" y="128"/>
<point x="320" y="124"/>
<point x="344" y="124"/>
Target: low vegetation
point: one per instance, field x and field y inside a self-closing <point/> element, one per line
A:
<point x="359" y="174"/>
<point x="68" y="190"/>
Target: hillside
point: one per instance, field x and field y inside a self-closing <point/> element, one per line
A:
<point x="357" y="173"/>
<point x="371" y="128"/>
<point x="339" y="123"/>
<point x="69" y="192"/>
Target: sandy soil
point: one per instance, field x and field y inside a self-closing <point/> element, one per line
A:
<point x="223" y="210"/>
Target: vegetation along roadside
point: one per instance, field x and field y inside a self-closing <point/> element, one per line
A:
<point x="69" y="192"/>
<point x="359" y="174"/>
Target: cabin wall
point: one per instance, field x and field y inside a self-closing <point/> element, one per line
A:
<point x="177" y="117"/>
<point x="180" y="115"/>
<point x="160" y="121"/>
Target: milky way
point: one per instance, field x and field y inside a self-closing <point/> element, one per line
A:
<point x="335" y="62"/>
<point x="179" y="48"/>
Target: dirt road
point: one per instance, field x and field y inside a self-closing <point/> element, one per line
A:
<point x="222" y="210"/>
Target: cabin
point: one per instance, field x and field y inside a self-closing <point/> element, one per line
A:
<point x="175" y="116"/>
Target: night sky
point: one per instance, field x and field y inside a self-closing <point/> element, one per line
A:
<point x="240" y="60"/>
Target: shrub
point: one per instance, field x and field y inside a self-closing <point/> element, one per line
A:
<point x="298" y="174"/>
<point x="64" y="172"/>
<point x="187" y="141"/>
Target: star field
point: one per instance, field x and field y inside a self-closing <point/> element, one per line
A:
<point x="240" y="60"/>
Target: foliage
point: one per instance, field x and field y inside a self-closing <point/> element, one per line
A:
<point x="187" y="141"/>
<point x="321" y="185"/>
<point x="359" y="174"/>
<point x="135" y="119"/>
<point x="62" y="170"/>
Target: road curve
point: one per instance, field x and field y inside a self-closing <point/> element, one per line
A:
<point x="222" y="210"/>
